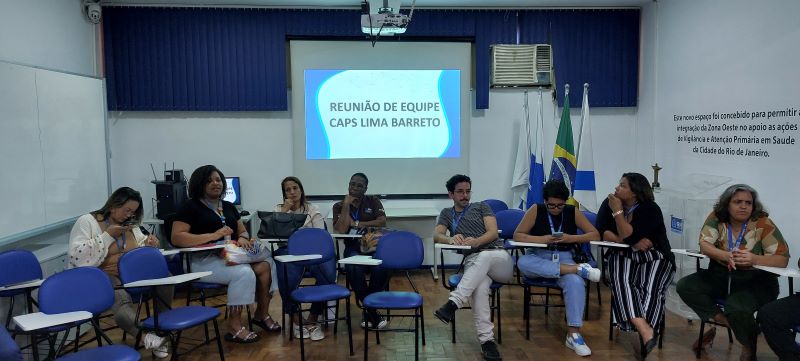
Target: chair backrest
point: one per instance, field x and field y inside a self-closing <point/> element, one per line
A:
<point x="400" y="250"/>
<point x="19" y="266"/>
<point x="507" y="222"/>
<point x="143" y="263"/>
<point x="496" y="205"/>
<point x="592" y="217"/>
<point x="311" y="241"/>
<point x="77" y="289"/>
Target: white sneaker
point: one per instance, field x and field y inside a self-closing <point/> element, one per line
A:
<point x="575" y="342"/>
<point x="316" y="333"/>
<point x="156" y="344"/>
<point x="296" y="330"/>
<point x="381" y="325"/>
<point x="588" y="272"/>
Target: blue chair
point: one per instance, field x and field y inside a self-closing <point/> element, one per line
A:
<point x="22" y="266"/>
<point x="147" y="263"/>
<point x="496" y="205"/>
<point x="9" y="351"/>
<point x="315" y="241"/>
<point x="77" y="289"/>
<point x="399" y="251"/>
<point x="507" y="222"/>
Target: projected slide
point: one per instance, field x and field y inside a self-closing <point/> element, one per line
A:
<point x="352" y="114"/>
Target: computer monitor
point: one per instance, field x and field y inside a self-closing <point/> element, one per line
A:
<point x="234" y="192"/>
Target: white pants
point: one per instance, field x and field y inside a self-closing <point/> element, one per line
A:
<point x="480" y="269"/>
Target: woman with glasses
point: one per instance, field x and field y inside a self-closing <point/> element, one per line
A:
<point x="640" y="274"/>
<point x="737" y="235"/>
<point x="99" y="238"/>
<point x="556" y="224"/>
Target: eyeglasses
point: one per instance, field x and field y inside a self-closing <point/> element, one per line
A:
<point x="555" y="205"/>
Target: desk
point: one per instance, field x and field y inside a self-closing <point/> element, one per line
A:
<point x="24" y="285"/>
<point x="39" y="320"/>
<point x="788" y="272"/>
<point x="526" y="244"/>
<point x="361" y="260"/>
<point x="606" y="244"/>
<point x="172" y="280"/>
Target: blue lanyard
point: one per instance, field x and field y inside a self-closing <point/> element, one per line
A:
<point x="630" y="211"/>
<point x="354" y="215"/>
<point x="457" y="217"/>
<point x="560" y="226"/>
<point x="731" y="245"/>
<point x="124" y="242"/>
<point x="217" y="211"/>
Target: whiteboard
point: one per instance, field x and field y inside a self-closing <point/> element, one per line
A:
<point x="52" y="147"/>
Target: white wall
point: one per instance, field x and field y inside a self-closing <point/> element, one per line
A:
<point x="256" y="146"/>
<point x="723" y="56"/>
<point x="49" y="34"/>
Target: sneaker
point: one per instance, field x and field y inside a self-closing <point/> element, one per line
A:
<point x="315" y="333"/>
<point x="588" y="272"/>
<point x="156" y="344"/>
<point x="446" y="313"/>
<point x="576" y="343"/>
<point x="296" y="330"/>
<point x="381" y="325"/>
<point x="489" y="351"/>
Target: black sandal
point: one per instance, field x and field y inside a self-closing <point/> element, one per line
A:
<point x="250" y="337"/>
<point x="273" y="327"/>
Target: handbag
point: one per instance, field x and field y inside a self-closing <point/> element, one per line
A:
<point x="279" y="224"/>
<point x="370" y="238"/>
<point x="234" y="254"/>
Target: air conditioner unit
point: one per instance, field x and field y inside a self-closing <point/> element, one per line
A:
<point x="522" y="65"/>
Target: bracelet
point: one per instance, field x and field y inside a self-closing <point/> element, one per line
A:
<point x="614" y="214"/>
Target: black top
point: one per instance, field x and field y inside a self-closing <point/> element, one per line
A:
<point x="542" y="225"/>
<point x="202" y="219"/>
<point x="647" y="222"/>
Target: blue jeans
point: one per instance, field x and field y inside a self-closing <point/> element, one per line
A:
<point x="289" y="279"/>
<point x="538" y="262"/>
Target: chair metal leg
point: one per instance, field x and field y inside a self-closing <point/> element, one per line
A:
<point x="335" y="316"/>
<point x="422" y="323"/>
<point x="302" y="339"/>
<point x="366" y="339"/>
<point x="219" y="341"/>
<point x="499" y="319"/>
<point x="416" y="333"/>
<point x="611" y="321"/>
<point x="349" y="326"/>
<point x="453" y="328"/>
<point x="599" y="298"/>
<point x="700" y="339"/>
<point x="546" y="299"/>
<point x="526" y="311"/>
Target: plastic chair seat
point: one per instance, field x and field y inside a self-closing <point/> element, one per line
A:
<point x="105" y="353"/>
<point x="320" y="293"/>
<point x="393" y="300"/>
<point x="541" y="282"/>
<point x="182" y="318"/>
<point x="453" y="281"/>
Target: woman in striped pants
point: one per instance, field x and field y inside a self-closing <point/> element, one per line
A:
<point x="641" y="274"/>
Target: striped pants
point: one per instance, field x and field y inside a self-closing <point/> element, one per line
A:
<point x="639" y="282"/>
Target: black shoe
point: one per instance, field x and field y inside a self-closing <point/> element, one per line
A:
<point x="489" y="350"/>
<point x="446" y="313"/>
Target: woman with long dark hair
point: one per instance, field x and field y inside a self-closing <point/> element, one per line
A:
<point x="99" y="238"/>
<point x="641" y="274"/>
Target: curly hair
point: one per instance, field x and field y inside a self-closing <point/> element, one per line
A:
<point x="721" y="207"/>
<point x="200" y="177"/>
<point x="555" y="188"/>
<point x="458" y="178"/>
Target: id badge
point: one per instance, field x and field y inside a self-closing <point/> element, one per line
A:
<point x="353" y="231"/>
<point x="555" y="256"/>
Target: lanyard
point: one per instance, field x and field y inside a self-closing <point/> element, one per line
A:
<point x="217" y="210"/>
<point x="731" y="245"/>
<point x="630" y="211"/>
<point x="560" y="226"/>
<point x="354" y="215"/>
<point x="457" y="216"/>
<point x="124" y="242"/>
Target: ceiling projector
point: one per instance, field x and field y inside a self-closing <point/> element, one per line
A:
<point x="386" y="21"/>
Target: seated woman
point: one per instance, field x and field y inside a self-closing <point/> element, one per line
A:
<point x="205" y="219"/>
<point x="294" y="201"/>
<point x="641" y="274"/>
<point x="736" y="236"/>
<point x="556" y="224"/>
<point x="777" y="320"/>
<point x="99" y="238"/>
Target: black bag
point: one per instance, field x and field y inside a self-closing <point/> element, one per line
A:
<point x="579" y="256"/>
<point x="279" y="224"/>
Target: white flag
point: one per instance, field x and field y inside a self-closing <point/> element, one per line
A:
<point x="528" y="175"/>
<point x="584" y="190"/>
